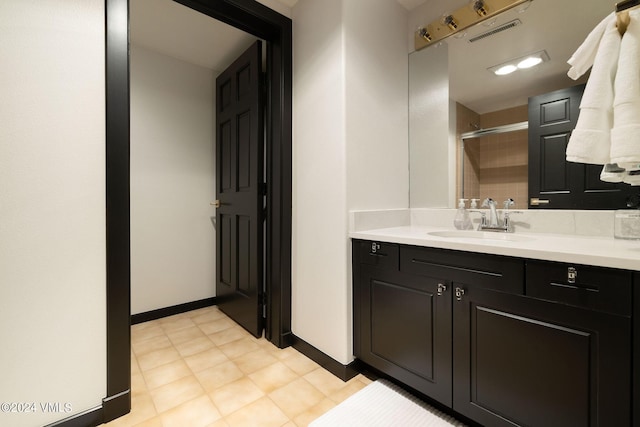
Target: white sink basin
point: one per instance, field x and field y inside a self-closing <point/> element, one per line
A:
<point x="481" y="235"/>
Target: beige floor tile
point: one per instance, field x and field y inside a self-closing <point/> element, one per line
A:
<point x="142" y="409"/>
<point x="153" y="422"/>
<point x="261" y="413"/>
<point x="325" y="381"/>
<point x="208" y="316"/>
<point x="364" y="379"/>
<point x="228" y="335"/>
<point x="152" y="344"/>
<point x="219" y="375"/>
<point x="239" y="347"/>
<point x="219" y="423"/>
<point x="233" y="396"/>
<point x="199" y="412"/>
<point x="351" y="387"/>
<point x="145" y="331"/>
<point x="166" y="374"/>
<point x="282" y="353"/>
<point x="216" y="325"/>
<point x="201" y="311"/>
<point x="135" y="368"/>
<point x="300" y="364"/>
<point x="255" y="382"/>
<point x="273" y="377"/>
<point x="296" y="397"/>
<point x="173" y="394"/>
<point x="138" y="384"/>
<point x="305" y="418"/>
<point x="194" y="346"/>
<point x="183" y="335"/>
<point x="158" y="358"/>
<point x="206" y="359"/>
<point x="252" y="361"/>
<point x="175" y="323"/>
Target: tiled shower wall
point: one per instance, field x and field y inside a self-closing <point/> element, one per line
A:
<point x="496" y="165"/>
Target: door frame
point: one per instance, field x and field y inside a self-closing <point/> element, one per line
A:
<point x="260" y="21"/>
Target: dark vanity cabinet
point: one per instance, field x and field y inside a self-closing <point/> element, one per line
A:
<point x="504" y="341"/>
<point x="402" y="321"/>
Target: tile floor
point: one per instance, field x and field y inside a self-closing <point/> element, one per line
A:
<point x="200" y="369"/>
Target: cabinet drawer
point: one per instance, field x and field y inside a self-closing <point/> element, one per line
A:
<point x="381" y="254"/>
<point x="489" y="271"/>
<point x="595" y="288"/>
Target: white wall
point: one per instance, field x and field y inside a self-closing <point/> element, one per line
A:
<point x="172" y="181"/>
<point x="319" y="257"/>
<point x="432" y="160"/>
<point x="376" y="87"/>
<point x="350" y="150"/>
<point x="52" y="207"/>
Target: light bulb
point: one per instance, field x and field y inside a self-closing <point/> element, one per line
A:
<point x="529" y="62"/>
<point x="506" y="69"/>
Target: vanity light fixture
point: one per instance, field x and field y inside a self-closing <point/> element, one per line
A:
<point x="450" y="22"/>
<point x="479" y="7"/>
<point x="520" y="63"/>
<point x="474" y="12"/>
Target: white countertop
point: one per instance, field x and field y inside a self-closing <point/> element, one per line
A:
<point x="598" y="251"/>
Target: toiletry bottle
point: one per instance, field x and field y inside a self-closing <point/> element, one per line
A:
<point x="462" y="220"/>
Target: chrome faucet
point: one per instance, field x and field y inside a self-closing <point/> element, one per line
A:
<point x="493" y="214"/>
<point x="494" y="223"/>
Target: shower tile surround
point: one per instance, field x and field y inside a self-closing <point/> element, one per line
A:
<point x="494" y="165"/>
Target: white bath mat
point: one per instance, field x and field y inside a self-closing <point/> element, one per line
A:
<point x="383" y="404"/>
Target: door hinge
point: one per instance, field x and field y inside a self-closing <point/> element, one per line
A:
<point x="263" y="188"/>
<point x="262" y="299"/>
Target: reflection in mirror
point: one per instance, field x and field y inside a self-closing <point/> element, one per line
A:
<point x="495" y="165"/>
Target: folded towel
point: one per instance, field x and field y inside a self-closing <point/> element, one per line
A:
<point x="625" y="135"/>
<point x="582" y="59"/>
<point x="590" y="142"/>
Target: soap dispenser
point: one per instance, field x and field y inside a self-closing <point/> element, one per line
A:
<point x="462" y="220"/>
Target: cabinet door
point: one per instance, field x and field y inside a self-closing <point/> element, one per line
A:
<point x="519" y="361"/>
<point x="405" y="328"/>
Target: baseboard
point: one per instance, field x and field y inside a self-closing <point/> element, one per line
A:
<point x="112" y="407"/>
<point x="170" y="311"/>
<point x="116" y="406"/>
<point x="91" y="417"/>
<point x="344" y="372"/>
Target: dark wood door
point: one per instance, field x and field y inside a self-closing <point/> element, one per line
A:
<point x="519" y="361"/>
<point x="558" y="183"/>
<point x="239" y="183"/>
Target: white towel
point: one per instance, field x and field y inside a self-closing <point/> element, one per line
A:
<point x="583" y="57"/>
<point x="625" y="135"/>
<point x="590" y="141"/>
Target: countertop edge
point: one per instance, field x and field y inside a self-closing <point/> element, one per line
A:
<point x="596" y="251"/>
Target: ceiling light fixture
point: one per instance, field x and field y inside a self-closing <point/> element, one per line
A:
<point x="520" y="63"/>
<point x="472" y="13"/>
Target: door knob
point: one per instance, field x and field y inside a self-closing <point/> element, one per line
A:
<point x="537" y="202"/>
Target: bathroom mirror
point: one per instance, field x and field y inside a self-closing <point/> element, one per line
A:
<point x="480" y="99"/>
